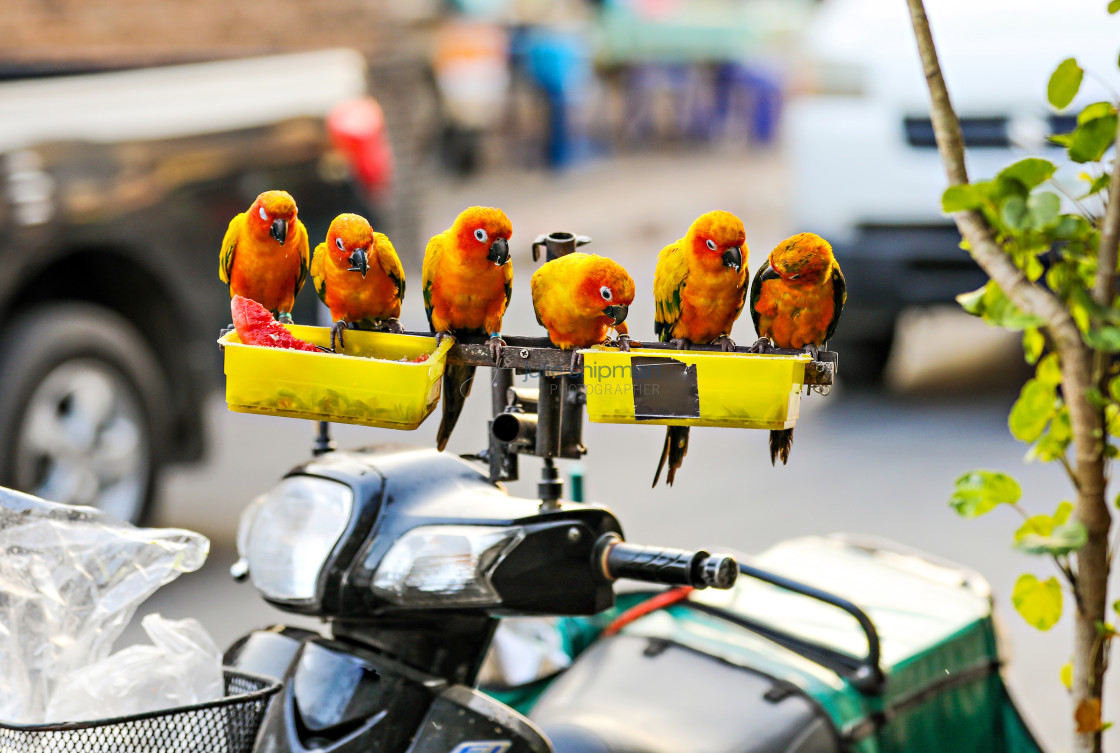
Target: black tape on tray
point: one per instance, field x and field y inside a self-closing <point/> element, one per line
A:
<point x="664" y="388"/>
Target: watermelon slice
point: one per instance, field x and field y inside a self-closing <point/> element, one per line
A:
<point x="255" y="326"/>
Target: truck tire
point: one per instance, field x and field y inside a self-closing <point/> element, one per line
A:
<point x="82" y="409"/>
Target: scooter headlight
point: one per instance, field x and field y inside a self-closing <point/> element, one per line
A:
<point x="287" y="535"/>
<point x="444" y="566"/>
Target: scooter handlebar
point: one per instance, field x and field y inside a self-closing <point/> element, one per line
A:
<point x="675" y="567"/>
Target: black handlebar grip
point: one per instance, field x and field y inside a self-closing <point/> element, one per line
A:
<point x="674" y="567"/>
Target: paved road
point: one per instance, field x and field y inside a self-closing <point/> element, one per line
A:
<point x="880" y="465"/>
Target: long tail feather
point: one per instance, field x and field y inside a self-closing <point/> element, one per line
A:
<point x="456" y="386"/>
<point x="781" y="441"/>
<point x="674" y="450"/>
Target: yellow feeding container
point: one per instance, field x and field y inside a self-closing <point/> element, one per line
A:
<point x="368" y="383"/>
<point x="693" y="388"/>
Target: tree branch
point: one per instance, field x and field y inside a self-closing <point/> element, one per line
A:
<point x="985" y="250"/>
<point x="1105" y="288"/>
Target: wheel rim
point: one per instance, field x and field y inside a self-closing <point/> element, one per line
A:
<point x="83" y="440"/>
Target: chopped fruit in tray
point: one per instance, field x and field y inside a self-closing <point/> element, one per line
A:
<point x="255" y="326"/>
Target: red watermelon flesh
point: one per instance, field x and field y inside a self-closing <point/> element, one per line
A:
<point x="255" y="326"/>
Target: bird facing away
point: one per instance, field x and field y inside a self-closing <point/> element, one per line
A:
<point x="699" y="288"/>
<point x="467" y="280"/>
<point x="797" y="297"/>
<point x="359" y="277"/>
<point x="579" y="298"/>
<point x="264" y="254"/>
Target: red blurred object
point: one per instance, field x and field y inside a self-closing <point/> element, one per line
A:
<point x="357" y="129"/>
<point x="652" y="604"/>
<point x="421" y="358"/>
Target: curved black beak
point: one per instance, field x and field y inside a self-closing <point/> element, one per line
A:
<point x="617" y="313"/>
<point x="733" y="257"/>
<point x="499" y="251"/>
<point x="359" y="261"/>
<point x="769" y="273"/>
<point x="279" y="230"/>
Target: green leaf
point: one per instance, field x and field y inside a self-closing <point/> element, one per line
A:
<point x="966" y="196"/>
<point x="978" y="492"/>
<point x="1063" y="539"/>
<point x="1030" y="172"/>
<point x="1049" y="370"/>
<point x="1114" y="6"/>
<point x="1039" y="602"/>
<point x="1044" y="208"/>
<point x="1116" y="606"/>
<point x="1114" y="388"/>
<point x="1065" y="509"/>
<point x="1060" y="427"/>
<point x="1097" y="184"/>
<point x="1061" y="139"/>
<point x="1032" y="411"/>
<point x="990" y="303"/>
<point x="1064" y="83"/>
<point x="1092" y="139"/>
<point x="1033" y="343"/>
<point x="1106" y="339"/>
<point x="1095" y="111"/>
<point x="1013" y="212"/>
<point x="1066" y="673"/>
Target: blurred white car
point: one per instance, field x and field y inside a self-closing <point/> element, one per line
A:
<point x="866" y="174"/>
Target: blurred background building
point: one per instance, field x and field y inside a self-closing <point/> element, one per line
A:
<point x="130" y="134"/>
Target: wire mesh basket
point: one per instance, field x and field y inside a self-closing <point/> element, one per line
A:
<point x="228" y="725"/>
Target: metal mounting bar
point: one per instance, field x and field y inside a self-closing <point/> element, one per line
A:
<point x="538" y="354"/>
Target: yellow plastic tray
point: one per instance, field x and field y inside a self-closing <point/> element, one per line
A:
<point x="693" y="388"/>
<point x="353" y="387"/>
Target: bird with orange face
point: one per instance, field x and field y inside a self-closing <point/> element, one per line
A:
<point x="264" y="254"/>
<point x="797" y="297"/>
<point x="467" y="280"/>
<point x="699" y="288"/>
<point x="359" y="277"/>
<point x="579" y="298"/>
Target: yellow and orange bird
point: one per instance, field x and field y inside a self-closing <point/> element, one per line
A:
<point x="699" y="288"/>
<point x="264" y="254"/>
<point x="467" y="279"/>
<point x="579" y="298"/>
<point x="797" y="297"/>
<point x="357" y="274"/>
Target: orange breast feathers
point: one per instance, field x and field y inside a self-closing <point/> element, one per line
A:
<point x="794" y="316"/>
<point x="265" y="253"/>
<point x="376" y="296"/>
<point x="467" y="275"/>
<point x="580" y="297"/>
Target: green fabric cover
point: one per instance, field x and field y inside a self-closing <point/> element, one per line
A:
<point x="939" y="653"/>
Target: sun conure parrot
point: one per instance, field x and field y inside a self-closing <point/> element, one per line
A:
<point x="467" y="280"/>
<point x="264" y="254"/>
<point x="579" y="297"/>
<point x="796" y="300"/>
<point x="358" y="276"/>
<point x="699" y="287"/>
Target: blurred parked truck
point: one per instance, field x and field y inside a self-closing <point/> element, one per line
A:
<point x="115" y="191"/>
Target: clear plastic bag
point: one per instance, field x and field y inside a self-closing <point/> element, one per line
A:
<point x="182" y="668"/>
<point x="70" y="580"/>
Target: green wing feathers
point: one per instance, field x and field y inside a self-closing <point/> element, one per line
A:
<point x="668" y="285"/>
<point x="229" y="245"/>
<point x="839" y="298"/>
<point x="389" y="261"/>
<point x="319" y="271"/>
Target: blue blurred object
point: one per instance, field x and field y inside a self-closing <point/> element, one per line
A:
<point x="559" y="62"/>
<point x="761" y="90"/>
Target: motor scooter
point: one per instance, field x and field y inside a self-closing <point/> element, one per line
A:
<point x="415" y="558"/>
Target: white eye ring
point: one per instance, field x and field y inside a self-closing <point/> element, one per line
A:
<point x="605" y="292"/>
<point x="263" y="215"/>
<point x="338" y="242"/>
<point x="480" y="235"/>
<point x="711" y="244"/>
